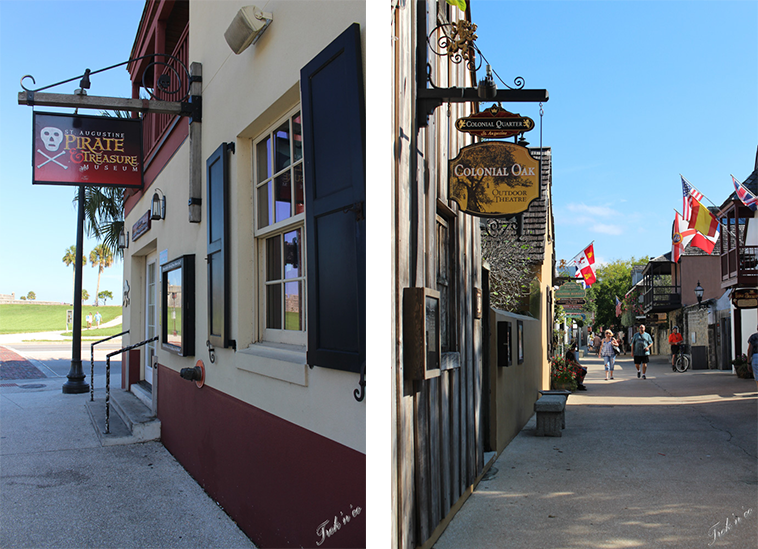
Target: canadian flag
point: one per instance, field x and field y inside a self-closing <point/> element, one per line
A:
<point x="584" y="262"/>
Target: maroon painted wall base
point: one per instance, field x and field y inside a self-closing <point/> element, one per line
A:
<point x="284" y="485"/>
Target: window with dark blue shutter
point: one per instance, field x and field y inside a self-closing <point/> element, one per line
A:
<point x="333" y="109"/>
<point x="217" y="170"/>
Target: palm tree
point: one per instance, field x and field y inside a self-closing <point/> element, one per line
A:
<point x="102" y="258"/>
<point x="70" y="259"/>
<point x="104" y="215"/>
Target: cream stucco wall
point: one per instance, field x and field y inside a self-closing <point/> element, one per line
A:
<point x="243" y="95"/>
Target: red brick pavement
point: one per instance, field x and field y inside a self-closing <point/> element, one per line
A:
<point x="14" y="366"/>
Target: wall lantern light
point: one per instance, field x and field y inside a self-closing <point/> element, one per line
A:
<point x="246" y="28"/>
<point x="699" y="293"/>
<point x="123" y="239"/>
<point x="159" y="206"/>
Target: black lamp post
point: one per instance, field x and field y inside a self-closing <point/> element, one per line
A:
<point x="76" y="383"/>
<point x="699" y="294"/>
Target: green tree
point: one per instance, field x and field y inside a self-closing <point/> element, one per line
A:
<point x="85" y="295"/>
<point x="102" y="258"/>
<point x="70" y="259"/>
<point x="613" y="280"/>
<point x="31" y="296"/>
<point x="105" y="294"/>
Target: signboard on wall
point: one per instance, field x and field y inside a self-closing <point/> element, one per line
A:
<point x="570" y="293"/>
<point x="86" y="150"/>
<point x="494" y="179"/>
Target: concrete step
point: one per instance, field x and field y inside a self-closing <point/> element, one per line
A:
<point x="130" y="420"/>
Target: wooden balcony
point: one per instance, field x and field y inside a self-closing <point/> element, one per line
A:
<point x="156" y="127"/>
<point x="739" y="267"/>
<point x="661" y="286"/>
<point x="661" y="299"/>
<point x="739" y="262"/>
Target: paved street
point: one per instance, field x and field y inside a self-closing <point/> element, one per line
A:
<point x="60" y="488"/>
<point x="670" y="461"/>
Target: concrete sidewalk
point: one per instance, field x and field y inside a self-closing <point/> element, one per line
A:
<point x="670" y="461"/>
<point x="60" y="488"/>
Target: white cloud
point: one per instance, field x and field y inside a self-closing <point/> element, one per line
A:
<point x="606" y="229"/>
<point x="600" y="211"/>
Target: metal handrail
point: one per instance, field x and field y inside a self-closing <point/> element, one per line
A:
<point x="92" y="362"/>
<point x="108" y="378"/>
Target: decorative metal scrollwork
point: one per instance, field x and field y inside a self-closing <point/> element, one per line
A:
<point x="170" y="82"/>
<point x="456" y="41"/>
<point x="495" y="228"/>
<point x="498" y="227"/>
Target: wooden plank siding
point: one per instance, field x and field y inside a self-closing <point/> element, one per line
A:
<point x="437" y="423"/>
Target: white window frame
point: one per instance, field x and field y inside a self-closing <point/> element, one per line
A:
<point x="294" y="222"/>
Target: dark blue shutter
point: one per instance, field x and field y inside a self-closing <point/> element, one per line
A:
<point x="333" y="108"/>
<point x="217" y="170"/>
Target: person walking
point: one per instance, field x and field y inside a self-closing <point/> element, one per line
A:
<point x="608" y="353"/>
<point x="596" y="342"/>
<point x="620" y="340"/>
<point x="98" y="318"/>
<point x="641" y="344"/>
<point x="752" y="354"/>
<point x="675" y="340"/>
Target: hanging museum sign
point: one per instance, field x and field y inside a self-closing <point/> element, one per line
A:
<point x="494" y="179"/>
<point x="494" y="123"/>
<point x="86" y="150"/>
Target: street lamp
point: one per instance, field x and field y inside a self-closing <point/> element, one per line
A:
<point x="699" y="293"/>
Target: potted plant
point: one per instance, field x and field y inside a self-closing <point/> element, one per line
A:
<point x="561" y="375"/>
<point x="742" y="367"/>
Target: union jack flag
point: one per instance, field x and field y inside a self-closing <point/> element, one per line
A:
<point x="689" y="192"/>
<point x="748" y="199"/>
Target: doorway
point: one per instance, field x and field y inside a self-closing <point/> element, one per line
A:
<point x="151" y="313"/>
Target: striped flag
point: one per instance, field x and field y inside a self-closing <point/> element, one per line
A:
<point x="618" y="306"/>
<point x="689" y="193"/>
<point x="748" y="199"/>
<point x="703" y="220"/>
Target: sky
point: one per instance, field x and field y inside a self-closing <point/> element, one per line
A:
<point x="640" y="92"/>
<point x="52" y="41"/>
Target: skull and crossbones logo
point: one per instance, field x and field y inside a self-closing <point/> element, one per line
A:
<point x="52" y="139"/>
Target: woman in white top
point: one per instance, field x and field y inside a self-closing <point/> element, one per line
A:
<point x="609" y="355"/>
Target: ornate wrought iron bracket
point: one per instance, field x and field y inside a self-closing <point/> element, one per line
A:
<point x="496" y="227"/>
<point x="169" y="84"/>
<point x="456" y="42"/>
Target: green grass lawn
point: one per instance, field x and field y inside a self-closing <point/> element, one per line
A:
<point x="23" y="318"/>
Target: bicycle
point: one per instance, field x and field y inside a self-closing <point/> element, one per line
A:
<point x="683" y="360"/>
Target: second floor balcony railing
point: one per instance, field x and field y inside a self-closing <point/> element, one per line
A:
<point x="156" y="126"/>
<point x="661" y="298"/>
<point x="740" y="265"/>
